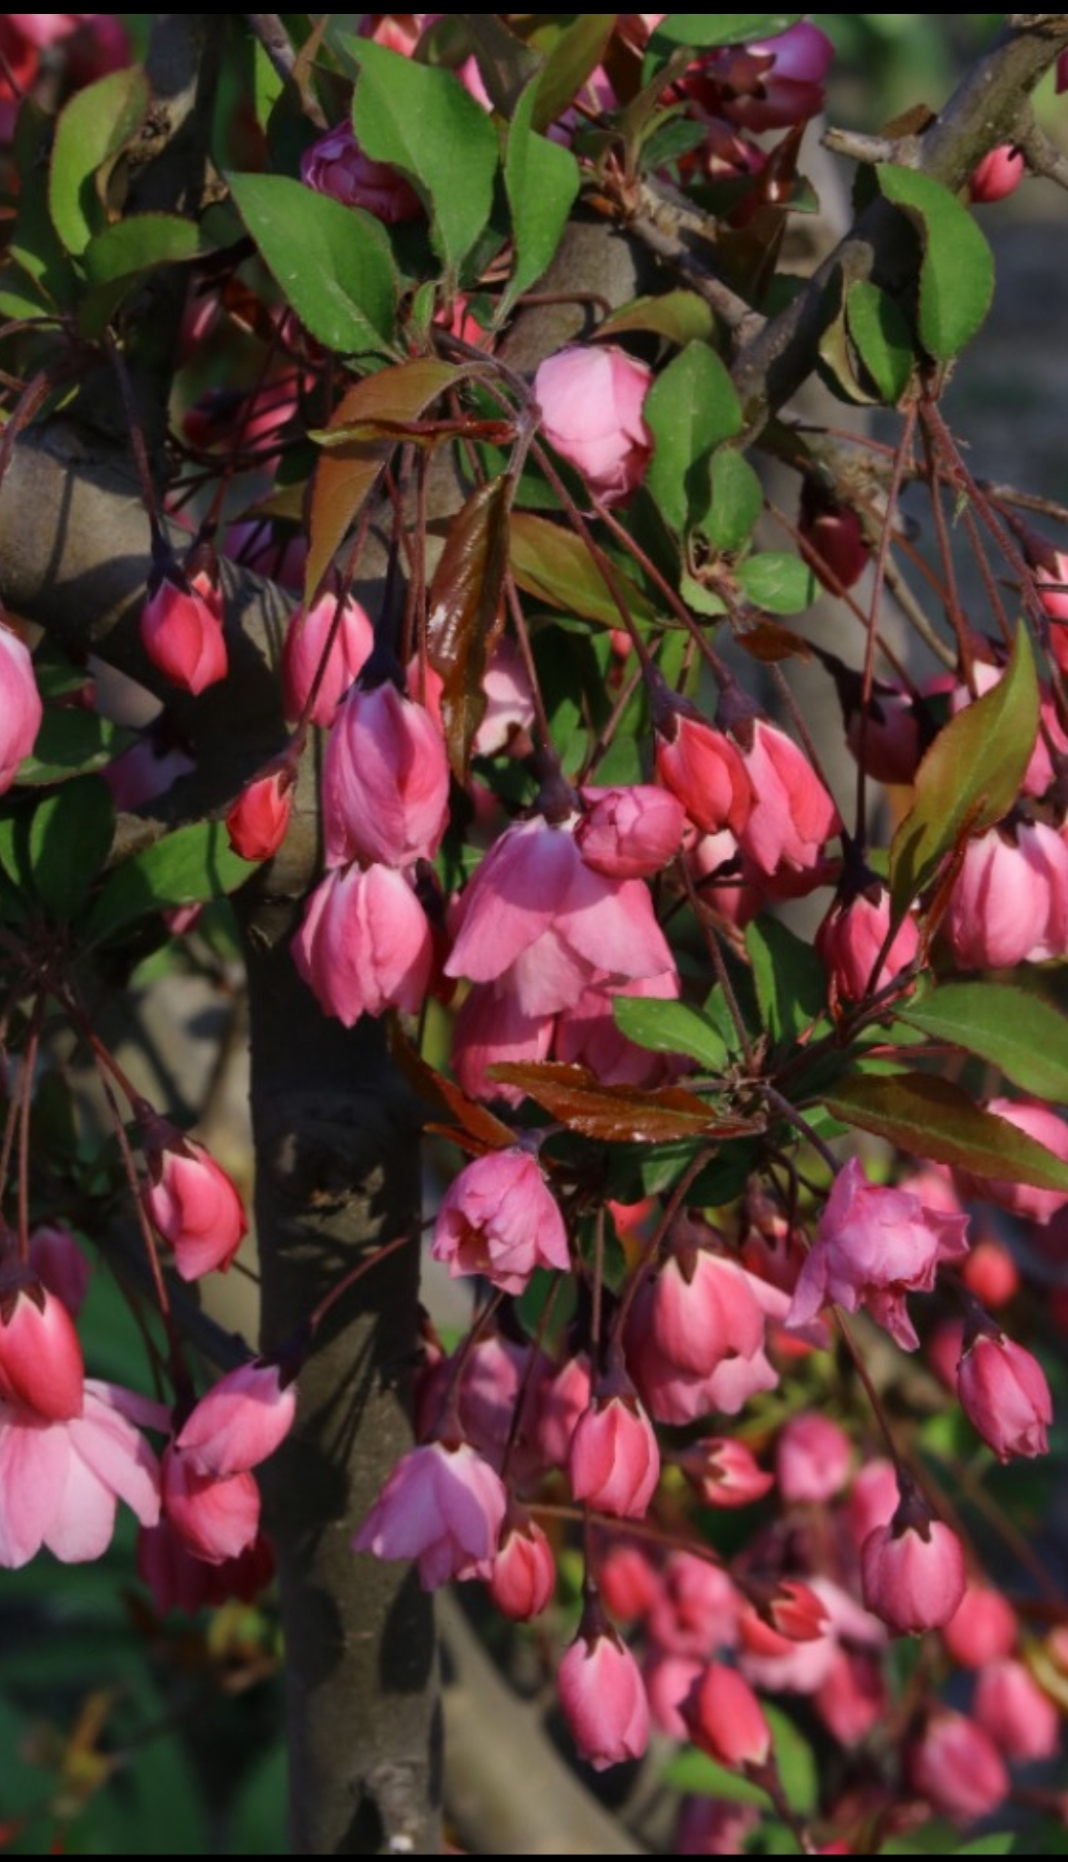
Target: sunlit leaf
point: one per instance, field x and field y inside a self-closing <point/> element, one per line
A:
<point x="465" y="613"/>
<point x="935" y="1119"/>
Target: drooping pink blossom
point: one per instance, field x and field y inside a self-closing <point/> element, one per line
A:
<point x="41" y="1365"/>
<point x="1009" y="902"/>
<point x="724" y="1471"/>
<point x="982" y="1629"/>
<point x="614" y="1461"/>
<point x="1041" y="1123"/>
<point x="364" y="945"/>
<point x="305" y="647"/>
<point x="524" y="1571"/>
<point x="812" y="1458"/>
<point x="216" y="1516"/>
<point x="238" y="1422"/>
<point x="1019" y="1716"/>
<point x="629" y="833"/>
<point x="603" y="1699"/>
<point x="21" y="710"/>
<point x="912" y="1578"/>
<point x="702" y="767"/>
<point x="998" y="174"/>
<point x="60" y="1482"/>
<point x="385" y="781"/>
<point x="182" y="632"/>
<point x="792" y="815"/>
<point x="195" y="1206"/>
<point x="591" y="398"/>
<point x="259" y="818"/>
<point x="500" y="1219"/>
<point x="851" y="937"/>
<point x="443" y="1506"/>
<point x="179" y="1580"/>
<point x="957" y="1767"/>
<point x="1005" y="1396"/>
<point x="588" y="1035"/>
<point x="491" y="1028"/>
<point x="726" y="1720"/>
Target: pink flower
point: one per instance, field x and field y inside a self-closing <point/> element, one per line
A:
<point x="982" y="1629"/>
<point x="603" y="1700"/>
<point x="998" y="174"/>
<point x="215" y="1517"/>
<point x="364" y="945"/>
<point x="614" y="1461"/>
<point x="724" y="1472"/>
<point x="812" y="1458"/>
<point x="872" y="1246"/>
<point x="492" y="1028"/>
<point x="912" y="1579"/>
<point x="179" y="1580"/>
<point x="305" y="645"/>
<point x="1009" y="902"/>
<point x="852" y="935"/>
<point x="41" y="1366"/>
<point x="443" y="1507"/>
<point x="336" y="165"/>
<point x="498" y="1218"/>
<point x="60" y="1481"/>
<point x="1019" y="1716"/>
<point x="1041" y="1123"/>
<point x="957" y="1768"/>
<point x="1005" y="1396"/>
<point x="587" y="1034"/>
<point x="704" y="770"/>
<point x="21" y="710"/>
<point x="258" y="820"/>
<point x="591" y="399"/>
<point x="182" y="632"/>
<point x="195" y="1207"/>
<point x="725" y="1719"/>
<point x="239" y="1422"/>
<point x="787" y="79"/>
<point x="696" y="1312"/>
<point x="524" y="1572"/>
<point x="630" y="833"/>
<point x="792" y="814"/>
<point x="385" y="781"/>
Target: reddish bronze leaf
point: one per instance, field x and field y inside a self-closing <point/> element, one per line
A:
<point x="768" y="641"/>
<point x="622" y="1114"/>
<point x="465" y="613"/>
<point x="445" y="1097"/>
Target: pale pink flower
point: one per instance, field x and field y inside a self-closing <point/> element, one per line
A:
<point x="490" y="1028"/>
<point x="21" y="710"/>
<point x="591" y="399"/>
<point x="785" y="84"/>
<point x="630" y="833"/>
<point x="1041" y="1123"/>
<point x="442" y="1506"/>
<point x="851" y="937"/>
<point x="587" y="1034"/>
<point x="1009" y="902"/>
<point x="1005" y="1396"/>
<point x="812" y="1457"/>
<point x="499" y="1218"/>
<point x="60" y="1481"/>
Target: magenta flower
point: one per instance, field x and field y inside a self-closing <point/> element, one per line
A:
<point x="873" y="1246"/>
<point x="499" y="1219"/>
<point x="442" y="1506"/>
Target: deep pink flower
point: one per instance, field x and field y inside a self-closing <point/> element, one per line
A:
<point x="499" y="1218"/>
<point x="603" y="1699"/>
<point x="702" y="767"/>
<point x="591" y="398"/>
<point x="911" y="1579"/>
<point x="614" y="1461"/>
<point x="1019" y="1716"/>
<point x="364" y="944"/>
<point x="724" y="1472"/>
<point x="182" y="632"/>
<point x="60" y="1481"/>
<point x="216" y="1517"/>
<point x="588" y="1036"/>
<point x="21" y="710"/>
<point x="195" y="1207"/>
<point x="239" y="1421"/>
<point x="982" y="1629"/>
<point x="385" y="781"/>
<point x="41" y="1365"/>
<point x="726" y="1720"/>
<point x="792" y="814"/>
<point x="852" y="935"/>
<point x="1005" y="1396"/>
<point x="696" y="1313"/>
<point x="492" y="1028"/>
<point x="179" y="1580"/>
<point x="812" y="1457"/>
<point x="998" y="174"/>
<point x="336" y="165"/>
<point x="957" y="1768"/>
<point x="442" y="1506"/>
<point x="835" y="536"/>
<point x="258" y="820"/>
<point x="873" y="1245"/>
<point x="60" y="1265"/>
<point x="305" y="644"/>
<point x="786" y="80"/>
<point x="1009" y="902"/>
<point x="630" y="833"/>
<point x="873" y="1499"/>
<point x="524" y="1571"/>
<point x="1041" y="1123"/>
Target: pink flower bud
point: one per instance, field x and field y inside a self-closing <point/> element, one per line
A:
<point x="724" y="1472"/>
<point x="561" y="1404"/>
<point x="628" y="1582"/>
<point x="982" y="1629"/>
<point x="214" y="1518"/>
<point x="239" y="1422"/>
<point x="792" y="814"/>
<point x="182" y="632"/>
<point x="499" y="1218"/>
<point x="1005" y="1396"/>
<point x="41" y="1365"/>
<point x="305" y="644"/>
<point x="787" y="87"/>
<point x="725" y="1719"/>
<point x="957" y="1768"/>
<point x="1019" y="1716"/>
<point x="21" y="710"/>
<point x="195" y="1207"/>
<point x="912" y="1580"/>
<point x="998" y="174"/>
<point x="524" y="1572"/>
<point x="702" y="767"/>
<point x="603" y="1700"/>
<point x="852" y="935"/>
<point x="630" y="833"/>
<point x="812" y="1458"/>
<point x="442" y="1506"/>
<point x="614" y="1461"/>
<point x="258" y="820"/>
<point x="591" y="399"/>
<point x="337" y="166"/>
<point x="1009" y="902"/>
<point x="1042" y="1124"/>
<point x="385" y="781"/>
<point x="364" y="945"/>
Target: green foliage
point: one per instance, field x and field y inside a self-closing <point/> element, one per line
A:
<point x="957" y="271"/>
<point x="332" y="263"/>
<point x="689" y="409"/>
<point x="91" y="134"/>
<point x="932" y="1118"/>
<point x="1026" y="1037"/>
<point x="542" y="182"/>
<point x="189" y="865"/>
<point x="671" y="1028"/>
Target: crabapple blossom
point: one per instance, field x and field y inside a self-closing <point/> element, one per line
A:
<point x="853" y="934"/>
<point x="872" y="1246"/>
<point x="1005" y="1396"/>
<point x="258" y="820"/>
<point x="1019" y="1716"/>
<point x="195" y="1207"/>
<point x="587" y="1034"/>
<point x="591" y="398"/>
<point x="982" y="1629"/>
<point x="957" y="1767"/>
<point x="238" y="1422"/>
<point x="305" y="645"/>
<point x="912" y="1576"/>
<point x="182" y="631"/>
<point x="773" y="83"/>
<point x="629" y="833"/>
<point x="523" y="1577"/>
<point x="724" y="1472"/>
<point x="603" y="1699"/>
<point x="21" y="710"/>
<point x="336" y="165"/>
<point x="792" y="814"/>
<point x="499" y="1218"/>
<point x="998" y="174"/>
<point x="1009" y="902"/>
<point x="385" y="781"/>
<point x="702" y="767"/>
<point x="614" y="1461"/>
<point x="812" y="1458"/>
<point x="726" y="1720"/>
<point x="364" y="944"/>
<point x="41" y="1366"/>
<point x="60" y="1482"/>
<point x="179" y="1580"/>
<point x="443" y="1506"/>
<point x="1041" y="1123"/>
<point x="215" y="1516"/>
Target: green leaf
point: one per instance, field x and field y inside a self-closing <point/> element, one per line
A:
<point x="465" y="613"/>
<point x="881" y="338"/>
<point x="332" y="263"/>
<point x="425" y="124"/>
<point x="117" y="259"/>
<point x="795" y="1762"/>
<point x="554" y="566"/>
<point x="576" y="53"/>
<point x="791" y="982"/>
<point x="957" y="271"/>
<point x="542" y="183"/>
<point x="781" y="583"/>
<point x="680" y="316"/>
<point x="970" y="776"/>
<point x="1026" y="1037"/>
<point x="689" y="409"/>
<point x="671" y="1028"/>
<point x="70" y="837"/>
<point x="701" y="29"/>
<point x="737" y="500"/>
<point x="932" y="1118"/>
<point x="95" y="126"/>
<point x="192" y="864"/>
